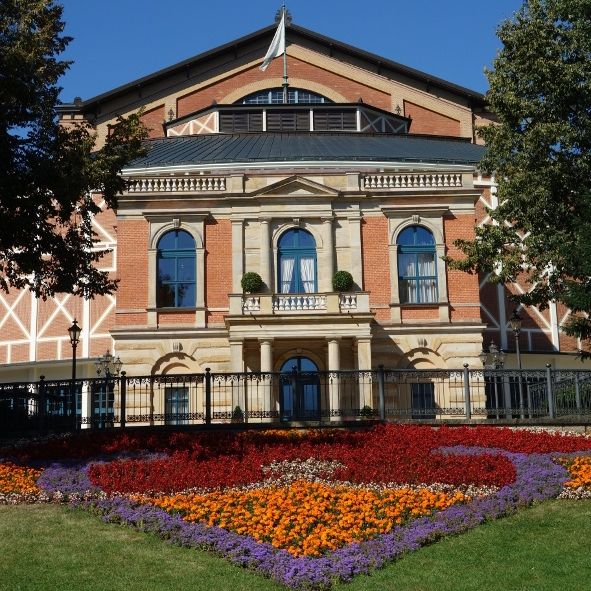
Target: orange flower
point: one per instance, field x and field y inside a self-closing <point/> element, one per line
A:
<point x="308" y="518"/>
<point x="580" y="471"/>
<point x="18" y="479"/>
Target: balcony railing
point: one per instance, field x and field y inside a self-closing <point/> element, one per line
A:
<point x="182" y="184"/>
<point x="412" y="181"/>
<point x="321" y="397"/>
<point x="299" y="303"/>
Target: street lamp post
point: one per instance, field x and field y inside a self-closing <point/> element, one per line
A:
<point x="111" y="367"/>
<point x="74" y="333"/>
<point x="494" y="359"/>
<point x="515" y="323"/>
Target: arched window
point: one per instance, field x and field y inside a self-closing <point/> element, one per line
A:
<point x="274" y="96"/>
<point x="300" y="394"/>
<point x="417" y="274"/>
<point x="176" y="270"/>
<point x="297" y="262"/>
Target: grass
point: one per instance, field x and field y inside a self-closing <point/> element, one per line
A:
<point x="47" y="548"/>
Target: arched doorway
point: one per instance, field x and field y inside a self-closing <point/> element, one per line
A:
<point x="300" y="390"/>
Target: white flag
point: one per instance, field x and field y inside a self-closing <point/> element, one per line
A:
<point x="277" y="46"/>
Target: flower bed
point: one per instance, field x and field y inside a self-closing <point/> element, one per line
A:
<point x="18" y="479"/>
<point x="306" y="508"/>
<point x="308" y="518"/>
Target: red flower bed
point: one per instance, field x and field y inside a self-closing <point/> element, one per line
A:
<point x="90" y="444"/>
<point x="403" y="454"/>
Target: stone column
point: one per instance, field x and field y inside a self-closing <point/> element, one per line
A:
<point x="364" y="364"/>
<point x="235" y="393"/>
<point x="334" y="364"/>
<point x="265" y="400"/>
<point x="265" y="264"/>
<point x="326" y="270"/>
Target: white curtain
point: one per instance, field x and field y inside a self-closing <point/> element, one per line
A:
<point x="307" y="274"/>
<point x="427" y="287"/>
<point x="286" y="274"/>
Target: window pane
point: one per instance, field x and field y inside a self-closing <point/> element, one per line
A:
<point x="167" y="242"/>
<point x="426" y="264"/>
<point x="423" y="237"/>
<point x="287" y="265"/>
<point x="406" y="237"/>
<point x="308" y="274"/>
<point x="407" y="265"/>
<point x="306" y="240"/>
<point x="166" y="270"/>
<point x="288" y="239"/>
<point x="165" y="296"/>
<point x="427" y="291"/>
<point x="185" y="240"/>
<point x="185" y="269"/>
<point x="186" y="295"/>
<point x="408" y="291"/>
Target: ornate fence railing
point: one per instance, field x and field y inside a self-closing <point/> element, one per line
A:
<point x="294" y="397"/>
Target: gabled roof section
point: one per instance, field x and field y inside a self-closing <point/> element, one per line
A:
<point x="256" y="44"/>
<point x="296" y="185"/>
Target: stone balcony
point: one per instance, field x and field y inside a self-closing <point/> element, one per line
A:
<point x="268" y="304"/>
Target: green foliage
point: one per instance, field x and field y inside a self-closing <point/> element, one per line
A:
<point x="367" y="411"/>
<point x="540" y="153"/>
<point x="251" y="282"/>
<point x="342" y="281"/>
<point x="237" y="415"/>
<point x="47" y="171"/>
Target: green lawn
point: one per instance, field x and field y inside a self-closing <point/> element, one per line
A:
<point x="43" y="548"/>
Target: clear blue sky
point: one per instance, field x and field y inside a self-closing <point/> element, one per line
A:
<point x="118" y="41"/>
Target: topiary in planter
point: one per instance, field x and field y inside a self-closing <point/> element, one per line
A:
<point x="342" y="281"/>
<point x="251" y="282"/>
<point x="367" y="412"/>
<point x="237" y="415"/>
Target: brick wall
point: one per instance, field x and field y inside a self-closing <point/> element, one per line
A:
<point x="462" y="288"/>
<point x="153" y="120"/>
<point x="431" y="122"/>
<point x="132" y="271"/>
<point x="218" y="266"/>
<point x="348" y="88"/>
<point x="376" y="264"/>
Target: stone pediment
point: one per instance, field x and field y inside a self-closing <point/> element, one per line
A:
<point x="296" y="186"/>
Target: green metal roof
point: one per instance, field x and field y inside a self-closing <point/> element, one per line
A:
<point x="305" y="147"/>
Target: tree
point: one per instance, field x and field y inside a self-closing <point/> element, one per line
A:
<point x="540" y="152"/>
<point x="47" y="172"/>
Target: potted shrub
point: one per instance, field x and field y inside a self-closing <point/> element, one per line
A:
<point x="237" y="415"/>
<point x="342" y="281"/>
<point x="366" y="412"/>
<point x="251" y="282"/>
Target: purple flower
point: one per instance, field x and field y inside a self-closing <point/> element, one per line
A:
<point x="538" y="478"/>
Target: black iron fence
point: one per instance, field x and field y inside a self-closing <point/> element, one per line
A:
<point x="293" y="397"/>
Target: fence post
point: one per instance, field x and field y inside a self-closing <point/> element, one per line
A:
<point x="382" y="398"/>
<point x="207" y="396"/>
<point x="42" y="402"/>
<point x="123" y="395"/>
<point x="550" y="391"/>
<point x="578" y="393"/>
<point x="467" y="400"/>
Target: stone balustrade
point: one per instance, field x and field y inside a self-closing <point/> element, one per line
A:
<point x="181" y="184"/>
<point x="299" y="303"/>
<point x="412" y="181"/>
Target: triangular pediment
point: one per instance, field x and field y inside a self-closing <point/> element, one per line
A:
<point x="297" y="186"/>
